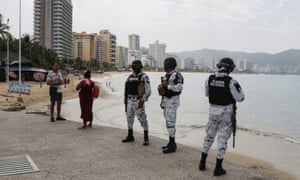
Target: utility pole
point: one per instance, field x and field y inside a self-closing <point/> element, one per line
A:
<point x="20" y="42"/>
<point x="7" y="56"/>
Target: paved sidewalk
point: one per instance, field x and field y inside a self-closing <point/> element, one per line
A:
<point x="61" y="151"/>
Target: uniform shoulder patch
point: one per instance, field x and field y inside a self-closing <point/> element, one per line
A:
<point x="179" y="78"/>
<point x="237" y="86"/>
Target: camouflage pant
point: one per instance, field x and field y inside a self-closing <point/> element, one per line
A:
<point x="220" y="124"/>
<point x="170" y="117"/>
<point x="132" y="110"/>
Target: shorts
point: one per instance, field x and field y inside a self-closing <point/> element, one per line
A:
<point x="55" y="96"/>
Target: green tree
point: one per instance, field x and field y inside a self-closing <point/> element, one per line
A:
<point x="4" y="34"/>
<point x="50" y="58"/>
<point x="26" y="46"/>
<point x="93" y="65"/>
<point x="107" y="66"/>
<point x="78" y="64"/>
<point x="39" y="56"/>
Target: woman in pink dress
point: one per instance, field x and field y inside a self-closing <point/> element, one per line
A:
<point x="86" y="90"/>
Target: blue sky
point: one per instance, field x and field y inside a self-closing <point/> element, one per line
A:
<point x="238" y="25"/>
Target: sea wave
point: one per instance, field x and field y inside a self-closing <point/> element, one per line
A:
<point x="105" y="89"/>
<point x="252" y="131"/>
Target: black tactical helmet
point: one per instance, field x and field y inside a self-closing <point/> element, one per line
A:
<point x="170" y="62"/>
<point x="137" y="64"/>
<point x="227" y="63"/>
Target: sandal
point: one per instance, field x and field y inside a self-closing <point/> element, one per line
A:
<point x="82" y="127"/>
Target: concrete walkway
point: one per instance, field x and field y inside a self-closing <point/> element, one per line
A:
<point x="61" y="151"/>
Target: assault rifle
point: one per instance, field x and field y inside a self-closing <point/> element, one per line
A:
<point x="126" y="98"/>
<point x="126" y="101"/>
<point x="233" y="122"/>
<point x="126" y="104"/>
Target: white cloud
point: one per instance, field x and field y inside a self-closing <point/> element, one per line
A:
<point x="181" y="24"/>
<point x="158" y="12"/>
<point x="281" y="3"/>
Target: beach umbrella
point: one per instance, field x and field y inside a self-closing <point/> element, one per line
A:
<point x="38" y="76"/>
<point x="13" y="75"/>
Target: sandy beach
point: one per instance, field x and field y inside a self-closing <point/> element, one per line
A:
<point x="39" y="97"/>
<point x="186" y="160"/>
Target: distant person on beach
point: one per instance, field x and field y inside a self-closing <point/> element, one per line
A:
<point x="223" y="92"/>
<point x="55" y="80"/>
<point x="170" y="89"/>
<point x="137" y="92"/>
<point x="86" y="92"/>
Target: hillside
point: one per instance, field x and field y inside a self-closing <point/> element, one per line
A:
<point x="289" y="57"/>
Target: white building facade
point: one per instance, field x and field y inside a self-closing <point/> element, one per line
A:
<point x="134" y="52"/>
<point x="134" y="42"/>
<point x="53" y="26"/>
<point x="158" y="51"/>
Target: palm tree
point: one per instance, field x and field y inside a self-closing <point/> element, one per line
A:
<point x="4" y="34"/>
<point x="3" y="28"/>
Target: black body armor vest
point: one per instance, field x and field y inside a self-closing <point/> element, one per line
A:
<point x="219" y="91"/>
<point x="133" y="85"/>
<point x="170" y="93"/>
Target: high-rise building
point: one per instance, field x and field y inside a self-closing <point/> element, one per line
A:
<point x="53" y="25"/>
<point x="134" y="55"/>
<point x="133" y="42"/>
<point x="158" y="51"/>
<point x="148" y="61"/>
<point x="188" y="63"/>
<point x="245" y="65"/>
<point x="110" y="45"/>
<point x="84" y="46"/>
<point x="121" y="56"/>
<point x="100" y="49"/>
<point x="213" y="64"/>
<point x="134" y="52"/>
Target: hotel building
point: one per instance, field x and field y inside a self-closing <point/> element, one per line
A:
<point x="53" y="26"/>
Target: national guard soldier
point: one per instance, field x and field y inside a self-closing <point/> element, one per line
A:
<point x="170" y="89"/>
<point x="222" y="92"/>
<point x="137" y="91"/>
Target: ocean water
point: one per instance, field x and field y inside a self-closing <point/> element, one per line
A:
<point x="268" y="120"/>
<point x="271" y="106"/>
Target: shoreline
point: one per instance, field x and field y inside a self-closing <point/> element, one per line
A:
<point x="42" y="100"/>
<point x="250" y="162"/>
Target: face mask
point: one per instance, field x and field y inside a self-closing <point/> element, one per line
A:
<point x="136" y="70"/>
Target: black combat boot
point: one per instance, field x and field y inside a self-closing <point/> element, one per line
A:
<point x="166" y="146"/>
<point x="146" y="138"/>
<point x="219" y="171"/>
<point x="130" y="137"/>
<point x="171" y="147"/>
<point x="202" y="164"/>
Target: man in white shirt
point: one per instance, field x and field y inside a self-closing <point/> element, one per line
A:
<point x="55" y="80"/>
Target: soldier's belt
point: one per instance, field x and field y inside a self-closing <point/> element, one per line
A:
<point x="133" y="97"/>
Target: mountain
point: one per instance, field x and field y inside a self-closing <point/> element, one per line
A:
<point x="288" y="58"/>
